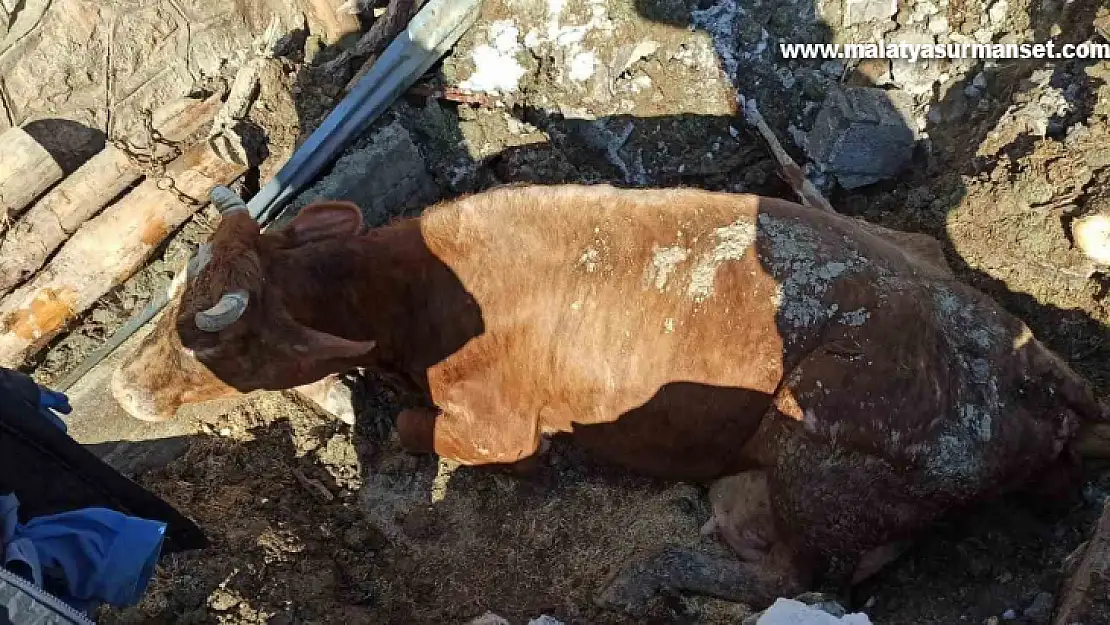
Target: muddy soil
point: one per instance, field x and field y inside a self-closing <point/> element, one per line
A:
<point x="316" y="522"/>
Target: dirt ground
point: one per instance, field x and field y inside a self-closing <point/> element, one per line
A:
<point x="316" y="522"/>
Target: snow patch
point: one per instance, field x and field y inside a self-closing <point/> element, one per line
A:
<point x="496" y="69"/>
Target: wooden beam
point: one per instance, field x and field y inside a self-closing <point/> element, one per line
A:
<point x="106" y="251"/>
<point x="27" y="170"/>
<point x="46" y="226"/>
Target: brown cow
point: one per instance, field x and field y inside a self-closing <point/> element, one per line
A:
<point x="847" y="385"/>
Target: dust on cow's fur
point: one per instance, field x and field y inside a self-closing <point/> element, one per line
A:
<point x="792" y="254"/>
<point x="732" y="242"/>
<point x="664" y="262"/>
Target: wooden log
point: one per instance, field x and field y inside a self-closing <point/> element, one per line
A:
<point x="79" y="197"/>
<point x="1085" y="597"/>
<point x="27" y="170"/>
<point x="105" y="251"/>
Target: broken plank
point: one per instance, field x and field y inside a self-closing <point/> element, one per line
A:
<point x="107" y="250"/>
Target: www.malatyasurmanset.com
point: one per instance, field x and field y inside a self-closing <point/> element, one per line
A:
<point x="913" y="52"/>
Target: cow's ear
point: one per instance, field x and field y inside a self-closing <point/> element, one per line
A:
<point x="325" y="220"/>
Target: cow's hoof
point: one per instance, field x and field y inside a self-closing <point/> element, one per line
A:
<point x="631" y="589"/>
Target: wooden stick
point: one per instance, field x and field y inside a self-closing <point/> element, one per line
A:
<point x="452" y="94"/>
<point x="788" y="169"/>
<point x="79" y="197"/>
<point x="384" y="30"/>
<point x="1084" y="598"/>
<point x="389" y="25"/>
<point x="26" y="171"/>
<point x="223" y="138"/>
<point x="107" y="250"/>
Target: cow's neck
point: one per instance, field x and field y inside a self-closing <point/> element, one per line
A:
<point x="389" y="288"/>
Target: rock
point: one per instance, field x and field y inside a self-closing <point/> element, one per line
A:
<point x="75" y="60"/>
<point x="222" y="600"/>
<point x="871" y="73"/>
<point x="489" y="618"/>
<point x="998" y="12"/>
<point x="938" y="24"/>
<point x="822" y="602"/>
<point x="795" y="612"/>
<point x="1102" y="24"/>
<point x="384" y="174"/>
<point x="860" y="137"/>
<point x="1085" y="597"/>
<point x="860" y="11"/>
<point x="1040" y="611"/>
<point x="1092" y="236"/>
<point x="544" y="619"/>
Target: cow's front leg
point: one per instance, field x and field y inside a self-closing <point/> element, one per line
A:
<point x="461" y="436"/>
<point x="764" y="569"/>
<point x="695" y="571"/>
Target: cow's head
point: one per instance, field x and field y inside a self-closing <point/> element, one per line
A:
<point x="232" y="325"/>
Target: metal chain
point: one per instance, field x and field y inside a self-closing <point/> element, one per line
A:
<point x="148" y="162"/>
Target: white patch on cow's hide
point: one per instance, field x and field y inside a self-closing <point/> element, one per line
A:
<point x="590" y="259"/>
<point x="733" y="241"/>
<point x="799" y="261"/>
<point x="664" y="261"/>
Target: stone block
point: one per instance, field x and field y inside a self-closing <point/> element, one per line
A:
<point x="383" y="173"/>
<point x="860" y="136"/>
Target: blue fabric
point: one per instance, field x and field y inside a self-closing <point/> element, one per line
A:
<point x="51" y="401"/>
<point x="98" y="555"/>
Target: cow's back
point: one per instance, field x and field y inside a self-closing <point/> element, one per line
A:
<point x="658" y="325"/>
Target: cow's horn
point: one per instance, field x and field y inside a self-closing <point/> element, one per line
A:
<point x="226" y="312"/>
<point x="226" y="200"/>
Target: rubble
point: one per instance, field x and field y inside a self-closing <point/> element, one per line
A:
<point x="382" y="173"/>
<point x="860" y="11"/>
<point x="1092" y="237"/>
<point x="489" y="618"/>
<point x="860" y="137"/>
<point x="1085" y="597"/>
<point x="810" y="609"/>
<point x="1039" y="611"/>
